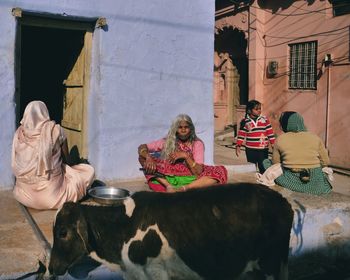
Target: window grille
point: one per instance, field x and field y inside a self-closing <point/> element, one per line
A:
<point x="302" y="65"/>
<point x="340" y="7"/>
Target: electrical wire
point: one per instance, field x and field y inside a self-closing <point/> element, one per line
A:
<point x="262" y="38"/>
<point x="325" y="33"/>
<point x="307" y="12"/>
<point x="301" y="14"/>
<point x="291" y="39"/>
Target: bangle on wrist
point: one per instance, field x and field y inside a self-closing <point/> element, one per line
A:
<point x="193" y="164"/>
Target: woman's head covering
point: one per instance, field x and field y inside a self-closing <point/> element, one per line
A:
<point x="35" y="115"/>
<point x="292" y="122"/>
<point x="36" y="131"/>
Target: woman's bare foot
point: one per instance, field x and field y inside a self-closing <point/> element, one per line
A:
<point x="170" y="189"/>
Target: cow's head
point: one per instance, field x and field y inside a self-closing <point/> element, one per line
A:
<point x="70" y="241"/>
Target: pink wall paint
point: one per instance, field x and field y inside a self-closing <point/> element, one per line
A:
<point x="271" y="29"/>
<point x="256" y="54"/>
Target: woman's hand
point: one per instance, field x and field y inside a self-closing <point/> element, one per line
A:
<point x="150" y="165"/>
<point x="174" y="156"/>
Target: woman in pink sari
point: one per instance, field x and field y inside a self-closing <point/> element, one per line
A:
<point x="181" y="163"/>
<point x="39" y="147"/>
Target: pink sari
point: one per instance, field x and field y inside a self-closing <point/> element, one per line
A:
<point x="218" y="173"/>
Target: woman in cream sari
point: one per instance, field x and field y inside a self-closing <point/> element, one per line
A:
<point x="43" y="180"/>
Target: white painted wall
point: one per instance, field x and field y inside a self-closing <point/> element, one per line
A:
<point x="153" y="62"/>
<point x="7" y="89"/>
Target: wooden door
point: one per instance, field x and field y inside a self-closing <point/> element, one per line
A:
<point x="74" y="101"/>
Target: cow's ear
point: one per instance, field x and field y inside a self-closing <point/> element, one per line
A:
<point x="82" y="231"/>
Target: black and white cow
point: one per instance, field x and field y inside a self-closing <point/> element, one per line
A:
<point x="235" y="231"/>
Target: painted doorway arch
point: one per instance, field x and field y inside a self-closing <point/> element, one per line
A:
<point x="226" y="91"/>
<point x="230" y="76"/>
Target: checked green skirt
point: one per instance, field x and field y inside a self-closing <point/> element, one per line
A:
<point x="318" y="183"/>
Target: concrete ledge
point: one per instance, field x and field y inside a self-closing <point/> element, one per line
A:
<point x="240" y="168"/>
<point x="20" y="250"/>
<point x="320" y="234"/>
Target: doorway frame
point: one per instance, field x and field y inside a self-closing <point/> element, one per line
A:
<point x="48" y="20"/>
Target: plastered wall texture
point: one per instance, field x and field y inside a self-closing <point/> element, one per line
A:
<point x="153" y="61"/>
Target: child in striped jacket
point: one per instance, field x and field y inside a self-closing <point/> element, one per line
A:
<point x="257" y="133"/>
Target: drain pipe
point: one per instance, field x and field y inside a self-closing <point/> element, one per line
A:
<point x="327" y="107"/>
<point x="327" y="62"/>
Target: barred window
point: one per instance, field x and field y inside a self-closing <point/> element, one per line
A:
<point x="340" y="7"/>
<point x="302" y="65"/>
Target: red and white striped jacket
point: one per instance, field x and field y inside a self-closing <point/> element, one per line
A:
<point x="257" y="134"/>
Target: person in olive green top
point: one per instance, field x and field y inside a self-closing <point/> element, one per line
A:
<point x="302" y="156"/>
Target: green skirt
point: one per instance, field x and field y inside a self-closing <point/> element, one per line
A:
<point x="318" y="183"/>
<point x="177" y="181"/>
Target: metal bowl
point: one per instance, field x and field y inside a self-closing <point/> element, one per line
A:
<point x="108" y="195"/>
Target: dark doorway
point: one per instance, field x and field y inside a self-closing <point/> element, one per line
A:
<point x="47" y="56"/>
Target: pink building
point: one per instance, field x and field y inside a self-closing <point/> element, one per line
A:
<point x="298" y="59"/>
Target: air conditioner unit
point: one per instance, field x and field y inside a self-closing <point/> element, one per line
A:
<point x="272" y="68"/>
